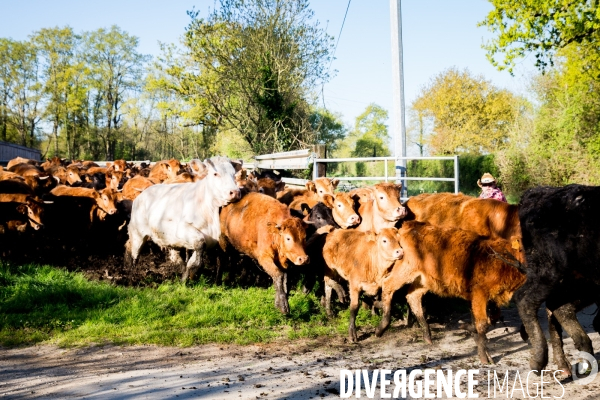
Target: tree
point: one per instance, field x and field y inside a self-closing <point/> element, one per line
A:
<point x="57" y="47"/>
<point x="328" y="127"/>
<point x="468" y="113"/>
<point x="21" y="90"/>
<point x="541" y="27"/>
<point x="256" y="62"/>
<point x="116" y="68"/>
<point x="370" y="133"/>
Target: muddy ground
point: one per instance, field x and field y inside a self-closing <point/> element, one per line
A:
<point x="302" y="369"/>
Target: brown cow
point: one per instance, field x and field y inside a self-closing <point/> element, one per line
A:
<point x="313" y="193"/>
<point x="119" y="165"/>
<point x="166" y="169"/>
<point x="383" y="210"/>
<point x="270" y="187"/>
<point x="486" y="217"/>
<point x="454" y="263"/>
<point x="263" y="228"/>
<point x="17" y="210"/>
<point x="105" y="198"/>
<point x="185" y="177"/>
<point x="27" y="170"/>
<point x="95" y="170"/>
<point x="136" y="185"/>
<point x="20" y="160"/>
<point x="68" y="175"/>
<point x="113" y="179"/>
<point x="342" y="209"/>
<point x="361" y="258"/>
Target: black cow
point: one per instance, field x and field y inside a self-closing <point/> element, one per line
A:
<point x="561" y="237"/>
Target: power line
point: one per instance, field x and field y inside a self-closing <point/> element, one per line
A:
<point x="340" y="34"/>
<point x="334" y="50"/>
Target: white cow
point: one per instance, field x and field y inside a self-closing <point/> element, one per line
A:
<point x="184" y="215"/>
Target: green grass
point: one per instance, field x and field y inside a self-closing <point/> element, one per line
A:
<point x="43" y="304"/>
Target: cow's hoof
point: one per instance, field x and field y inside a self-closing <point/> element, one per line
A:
<point x="427" y="339"/>
<point x="379" y="332"/>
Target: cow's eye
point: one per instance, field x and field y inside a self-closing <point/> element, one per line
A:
<point x="339" y="205"/>
<point x="216" y="174"/>
<point x="384" y="240"/>
<point x="381" y="197"/>
<point x="288" y="239"/>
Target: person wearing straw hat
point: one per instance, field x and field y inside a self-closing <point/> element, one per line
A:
<point x="489" y="189"/>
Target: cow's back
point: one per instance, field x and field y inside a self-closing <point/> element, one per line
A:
<point x="486" y="217"/>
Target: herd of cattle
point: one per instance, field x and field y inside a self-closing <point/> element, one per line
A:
<point x="485" y="251"/>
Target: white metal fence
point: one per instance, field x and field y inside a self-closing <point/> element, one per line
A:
<point x="302" y="159"/>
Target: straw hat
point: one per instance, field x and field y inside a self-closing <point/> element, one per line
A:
<point x="486" y="178"/>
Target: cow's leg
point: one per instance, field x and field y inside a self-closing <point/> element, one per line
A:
<point x="528" y="298"/>
<point x="480" y="320"/>
<point x="386" y="305"/>
<point x="281" y="301"/>
<point x="279" y="282"/>
<point x="556" y="342"/>
<point x="132" y="249"/>
<point x="414" y="297"/>
<point x="354" y="306"/>
<point x="194" y="262"/>
<point x="567" y="317"/>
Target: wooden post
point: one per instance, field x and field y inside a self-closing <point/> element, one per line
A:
<point x="320" y="151"/>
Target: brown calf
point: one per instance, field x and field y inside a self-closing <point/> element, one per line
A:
<point x="342" y="209"/>
<point x="361" y="258"/>
<point x="270" y="187"/>
<point x="263" y="228"/>
<point x="21" y="209"/>
<point x="382" y="209"/>
<point x="20" y="160"/>
<point x="454" y="263"/>
<point x="314" y="192"/>
<point x="486" y="217"/>
<point x="105" y="198"/>
<point x="166" y="169"/>
<point x="136" y="185"/>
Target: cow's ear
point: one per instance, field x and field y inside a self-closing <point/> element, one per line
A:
<point x="398" y="186"/>
<point x="305" y="208"/>
<point x="280" y="186"/>
<point x="328" y="200"/>
<point x="335" y="182"/>
<point x="515" y="242"/>
<point x="310" y="186"/>
<point x="22" y="208"/>
<point x="273" y="228"/>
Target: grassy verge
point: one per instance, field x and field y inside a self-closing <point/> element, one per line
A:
<point x="46" y="304"/>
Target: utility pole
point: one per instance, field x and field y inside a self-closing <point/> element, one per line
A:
<point x="398" y="114"/>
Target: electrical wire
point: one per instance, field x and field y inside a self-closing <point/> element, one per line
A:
<point x="334" y="50"/>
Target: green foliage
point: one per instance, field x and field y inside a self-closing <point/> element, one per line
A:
<point x="468" y="114"/>
<point x="256" y="62"/>
<point x="328" y="128"/>
<point x="45" y="304"/>
<point x="541" y="27"/>
<point x="368" y="138"/>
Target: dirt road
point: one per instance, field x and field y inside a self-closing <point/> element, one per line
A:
<point x="293" y="370"/>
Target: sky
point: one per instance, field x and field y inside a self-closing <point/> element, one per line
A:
<point x="437" y="35"/>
